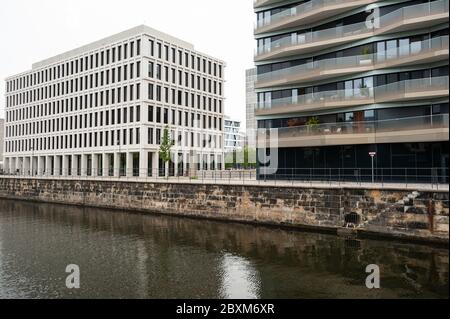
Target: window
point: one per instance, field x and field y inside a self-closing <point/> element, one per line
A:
<point x="150" y="69"/>
<point x="150" y="113"/>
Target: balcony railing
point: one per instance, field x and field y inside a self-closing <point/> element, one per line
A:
<point x="390" y="92"/>
<point x="299" y="11"/>
<point x="388" y="58"/>
<point x="439" y="121"/>
<point x="257" y="3"/>
<point x="361" y="28"/>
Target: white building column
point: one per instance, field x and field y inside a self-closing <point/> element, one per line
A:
<point x="57" y="165"/>
<point x="105" y="159"/>
<point x="129" y="167"/>
<point x="117" y="164"/>
<point x="74" y="165"/>
<point x="143" y="163"/>
<point x="84" y="165"/>
<point x="155" y="164"/>
<point x="48" y="165"/>
<point x="6" y="165"/>
<point x="26" y="166"/>
<point x="94" y="165"/>
<point x="65" y="165"/>
<point x="20" y="166"/>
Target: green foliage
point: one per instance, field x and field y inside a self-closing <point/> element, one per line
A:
<point x="245" y="153"/>
<point x="166" y="145"/>
<point x="312" y="121"/>
<point x="365" y="51"/>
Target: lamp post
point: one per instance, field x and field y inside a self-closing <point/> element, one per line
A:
<point x="372" y="155"/>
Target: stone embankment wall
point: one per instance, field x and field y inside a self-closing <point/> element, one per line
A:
<point x="420" y="216"/>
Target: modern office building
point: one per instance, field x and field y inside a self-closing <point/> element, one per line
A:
<point x="2" y="139"/>
<point x="101" y="109"/>
<point x="340" y="80"/>
<point x="250" y="99"/>
<point x="234" y="136"/>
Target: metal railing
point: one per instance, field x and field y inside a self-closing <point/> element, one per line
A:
<point x="361" y="28"/>
<point x="414" y="178"/>
<point x="368" y="127"/>
<point x="401" y="175"/>
<point x="365" y="60"/>
<point x="298" y="11"/>
<point x="396" y="90"/>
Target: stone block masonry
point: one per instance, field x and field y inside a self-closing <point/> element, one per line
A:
<point x="422" y="216"/>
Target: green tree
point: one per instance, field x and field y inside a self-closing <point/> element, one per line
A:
<point x="164" y="149"/>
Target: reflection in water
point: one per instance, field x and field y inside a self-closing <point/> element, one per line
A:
<point x="125" y="255"/>
<point x="239" y="278"/>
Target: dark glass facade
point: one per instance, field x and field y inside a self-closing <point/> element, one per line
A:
<point x="410" y="162"/>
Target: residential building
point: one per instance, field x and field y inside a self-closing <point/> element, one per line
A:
<point x="234" y="136"/>
<point x="251" y="99"/>
<point x="101" y="109"/>
<point x="344" y="81"/>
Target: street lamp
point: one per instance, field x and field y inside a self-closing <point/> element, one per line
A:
<point x="372" y="155"/>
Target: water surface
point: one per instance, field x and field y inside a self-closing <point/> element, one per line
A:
<point x="126" y="255"/>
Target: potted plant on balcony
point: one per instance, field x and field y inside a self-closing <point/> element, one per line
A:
<point x="312" y="124"/>
<point x="365" y="59"/>
<point x="364" y="90"/>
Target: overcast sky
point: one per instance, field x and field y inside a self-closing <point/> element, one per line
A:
<point x="33" y="30"/>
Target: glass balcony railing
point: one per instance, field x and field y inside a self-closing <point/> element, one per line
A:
<point x="418" y="123"/>
<point x="390" y="92"/>
<point x="257" y="3"/>
<point x="299" y="11"/>
<point x="361" y="28"/>
<point x="388" y="57"/>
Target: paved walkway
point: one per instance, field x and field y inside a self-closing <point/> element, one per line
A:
<point x="253" y="182"/>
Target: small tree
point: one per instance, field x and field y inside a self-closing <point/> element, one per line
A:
<point x="164" y="149"/>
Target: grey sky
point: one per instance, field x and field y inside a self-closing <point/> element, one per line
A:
<point x="33" y="30"/>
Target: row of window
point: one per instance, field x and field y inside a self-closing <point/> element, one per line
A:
<point x="118" y="137"/>
<point x="96" y="119"/>
<point x="117" y="116"/>
<point x="184" y="78"/>
<point x="195" y="63"/>
<point x="114" y="96"/>
<point x="180" y="118"/>
<point x="103" y="98"/>
<point x="186" y="139"/>
<point x="86" y="63"/>
<point x="176" y="97"/>
<point x="76" y="85"/>
<point x="353" y="87"/>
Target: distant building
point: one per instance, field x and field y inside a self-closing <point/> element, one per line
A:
<point x="251" y="100"/>
<point x="234" y="137"/>
<point x="2" y="135"/>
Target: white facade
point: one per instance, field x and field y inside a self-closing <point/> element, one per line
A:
<point x="100" y="110"/>
<point x="234" y="137"/>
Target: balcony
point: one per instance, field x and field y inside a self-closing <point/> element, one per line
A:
<point x="431" y="128"/>
<point x="422" y="52"/>
<point x="307" y="13"/>
<point x="261" y="3"/>
<point x="412" y="17"/>
<point x="402" y="91"/>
